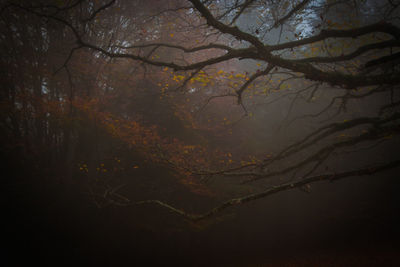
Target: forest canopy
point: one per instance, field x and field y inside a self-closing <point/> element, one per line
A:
<point x="232" y="100"/>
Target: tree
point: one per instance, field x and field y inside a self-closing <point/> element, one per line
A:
<point x="287" y="51"/>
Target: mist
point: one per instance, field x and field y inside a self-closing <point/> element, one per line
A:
<point x="200" y="133"/>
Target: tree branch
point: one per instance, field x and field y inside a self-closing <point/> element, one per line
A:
<point x="383" y="27"/>
<point x="251" y="79"/>
<point x="234" y="31"/>
<point x="99" y="10"/>
<point x="270" y="191"/>
<point x="297" y="8"/>
<point x="184" y="49"/>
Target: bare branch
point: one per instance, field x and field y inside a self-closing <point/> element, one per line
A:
<point x="251" y="79"/>
<point x="296" y="9"/>
<point x="184" y="49"/>
<point x="212" y="21"/>
<point x="358" y="52"/>
<point x="271" y="191"/>
<point x="351" y="33"/>
<point x="242" y="9"/>
<point x="100" y="9"/>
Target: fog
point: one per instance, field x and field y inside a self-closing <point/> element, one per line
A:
<point x="200" y="133"/>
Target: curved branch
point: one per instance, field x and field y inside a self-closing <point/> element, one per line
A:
<point x="234" y="31"/>
<point x="184" y="49"/>
<point x="242" y="53"/>
<point x="251" y="79"/>
<point x="330" y="129"/>
<point x="297" y="8"/>
<point x="271" y="191"/>
<point x="358" y="52"/>
<point x="383" y="27"/>
<point x="242" y="9"/>
<point x="384" y="60"/>
<point x="334" y="78"/>
<point x="321" y="154"/>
